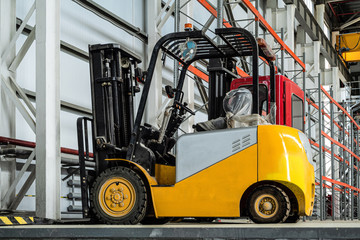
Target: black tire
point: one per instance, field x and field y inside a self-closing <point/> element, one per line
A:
<point x="293" y="219"/>
<point x="155" y="221"/>
<point x="118" y="196"/>
<point x="268" y="204"/>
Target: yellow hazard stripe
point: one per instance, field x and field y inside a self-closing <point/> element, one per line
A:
<point x="32" y="219"/>
<point x="20" y="220"/>
<point x="6" y="220"/>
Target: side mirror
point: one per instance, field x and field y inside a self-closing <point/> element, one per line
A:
<point x="169" y="91"/>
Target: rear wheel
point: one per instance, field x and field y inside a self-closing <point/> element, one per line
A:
<point x="118" y="196"/>
<point x="268" y="204"/>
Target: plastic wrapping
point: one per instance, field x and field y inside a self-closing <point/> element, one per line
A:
<point x="238" y="106"/>
<point x="238" y="121"/>
<point x="238" y="102"/>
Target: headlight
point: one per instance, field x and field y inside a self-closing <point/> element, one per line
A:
<point x="305" y="142"/>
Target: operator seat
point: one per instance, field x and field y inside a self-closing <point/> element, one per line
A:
<point x="237" y="105"/>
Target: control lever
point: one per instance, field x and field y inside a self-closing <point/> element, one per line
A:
<point x="183" y="107"/>
<point x="140" y="75"/>
<point x="169" y="91"/>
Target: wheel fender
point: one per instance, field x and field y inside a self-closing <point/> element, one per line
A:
<point x="281" y="185"/>
<point x="147" y="178"/>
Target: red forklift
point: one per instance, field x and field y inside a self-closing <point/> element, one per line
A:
<point x="289" y="99"/>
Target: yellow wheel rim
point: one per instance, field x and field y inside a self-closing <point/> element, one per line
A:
<point x="266" y="206"/>
<point x="117" y="197"/>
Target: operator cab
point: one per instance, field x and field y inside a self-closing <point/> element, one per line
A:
<point x="289" y="99"/>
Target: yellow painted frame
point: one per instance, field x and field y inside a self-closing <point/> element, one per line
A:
<point x="216" y="191"/>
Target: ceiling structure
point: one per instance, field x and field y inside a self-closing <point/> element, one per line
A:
<point x="345" y="15"/>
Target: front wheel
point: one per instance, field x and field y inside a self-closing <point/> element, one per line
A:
<point x="118" y="196"/>
<point x="268" y="204"/>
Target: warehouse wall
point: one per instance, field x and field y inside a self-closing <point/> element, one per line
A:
<point x="79" y="27"/>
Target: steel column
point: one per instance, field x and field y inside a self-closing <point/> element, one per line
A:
<point x="357" y="172"/>
<point x="309" y="117"/>
<point x="220" y="5"/>
<point x="322" y="107"/>
<point x="282" y="53"/>
<point x="154" y="99"/>
<point x="320" y="11"/>
<point x="189" y="83"/>
<point x="342" y="172"/>
<point x="48" y="109"/>
<point x="256" y="20"/>
<point x="332" y="157"/>
<point x="290" y="30"/>
<point x="305" y="114"/>
<point x="321" y="197"/>
<point x="351" y="182"/>
<point x="7" y="108"/>
<point x="176" y="29"/>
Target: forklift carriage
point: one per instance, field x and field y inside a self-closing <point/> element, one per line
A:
<point x="264" y="172"/>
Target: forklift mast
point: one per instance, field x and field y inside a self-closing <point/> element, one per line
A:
<point x="112" y="88"/>
<point x="221" y="73"/>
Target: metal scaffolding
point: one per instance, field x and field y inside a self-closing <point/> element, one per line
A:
<point x="334" y="136"/>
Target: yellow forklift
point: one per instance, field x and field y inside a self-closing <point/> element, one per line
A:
<point x="264" y="172"/>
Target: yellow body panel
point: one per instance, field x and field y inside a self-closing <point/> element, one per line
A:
<point x="282" y="158"/>
<point x="214" y="191"/>
<point x="165" y="174"/>
<point x="350" y="41"/>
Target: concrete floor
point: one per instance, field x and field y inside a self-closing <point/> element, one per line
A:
<point x="233" y="229"/>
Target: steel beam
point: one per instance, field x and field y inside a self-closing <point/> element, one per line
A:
<point x="22" y="52"/>
<point x="19" y="105"/>
<point x="18" y="90"/>
<point x="64" y="106"/>
<point x="20" y="195"/>
<point x="11" y="190"/>
<point x="170" y="11"/>
<point x="349" y="23"/>
<point x="48" y="109"/>
<point x="64" y="46"/>
<point x="113" y="19"/>
<point x="18" y="32"/>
